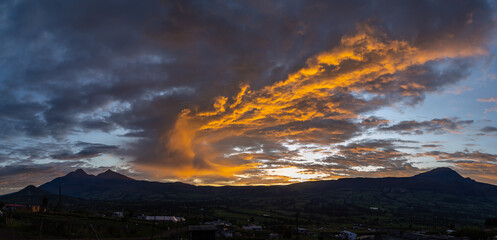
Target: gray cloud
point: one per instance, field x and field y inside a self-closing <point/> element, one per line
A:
<point x="431" y="145"/>
<point x="70" y="68"/>
<point x="16" y="177"/>
<point x="437" y="126"/>
<point x="488" y="129"/>
<point x="479" y="165"/>
<point x="381" y="154"/>
<point x="89" y="150"/>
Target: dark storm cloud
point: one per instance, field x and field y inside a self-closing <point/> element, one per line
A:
<point x="18" y="116"/>
<point x="437" y="126"/>
<point x="17" y="176"/>
<point x="431" y="145"/>
<point x="9" y="171"/>
<point x="102" y="125"/>
<point x="466" y="155"/>
<point x="488" y="129"/>
<point x="411" y="85"/>
<point x="16" y="154"/>
<point x="374" y="121"/>
<point x="79" y="66"/>
<point x="84" y="55"/>
<point x="89" y="150"/>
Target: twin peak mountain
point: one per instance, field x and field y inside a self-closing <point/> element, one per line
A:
<point x="109" y="174"/>
<point x="111" y="185"/>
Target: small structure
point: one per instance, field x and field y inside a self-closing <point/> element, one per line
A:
<point x="252" y="228"/>
<point x="13" y="207"/>
<point x="218" y="223"/>
<point x="349" y="235"/>
<point x="224" y="228"/>
<point x="34" y="208"/>
<point x="162" y="218"/>
<point x="301" y="230"/>
<point x="20" y="208"/>
<point x="202" y="232"/>
<point x="366" y="237"/>
<point x="118" y="215"/>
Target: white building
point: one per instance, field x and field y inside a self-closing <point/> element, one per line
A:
<point x="161" y="218"/>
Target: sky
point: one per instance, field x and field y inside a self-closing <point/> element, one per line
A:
<point x="246" y="92"/>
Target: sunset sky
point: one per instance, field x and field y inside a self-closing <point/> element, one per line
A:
<point x="246" y="92"/>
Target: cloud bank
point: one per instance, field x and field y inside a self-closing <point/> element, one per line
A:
<point x="226" y="92"/>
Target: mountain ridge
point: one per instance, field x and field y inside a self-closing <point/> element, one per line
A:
<point x="439" y="193"/>
<point x="442" y="192"/>
<point x="109" y="174"/>
<point x="441" y="172"/>
<point x="110" y="185"/>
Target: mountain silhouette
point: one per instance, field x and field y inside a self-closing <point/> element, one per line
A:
<point x="442" y="173"/>
<point x="109" y="174"/>
<point x="111" y="185"/>
<point x="78" y="173"/>
<point x="114" y="186"/>
<point x="439" y="192"/>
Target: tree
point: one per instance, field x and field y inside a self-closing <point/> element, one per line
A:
<point x="44" y="204"/>
<point x="491" y="222"/>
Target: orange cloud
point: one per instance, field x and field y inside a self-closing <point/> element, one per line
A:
<point x="492" y="99"/>
<point x="363" y="61"/>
